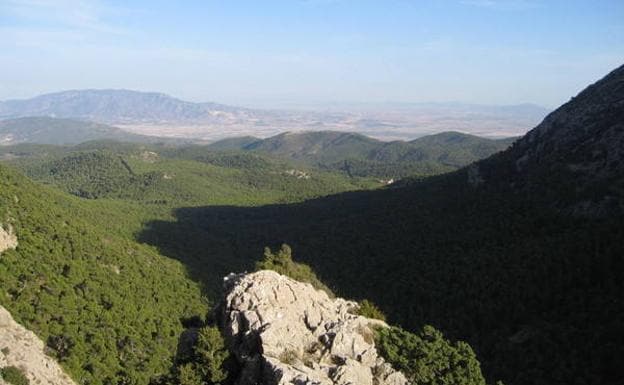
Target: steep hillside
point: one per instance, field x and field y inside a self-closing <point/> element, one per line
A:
<point x="573" y="159"/>
<point x="486" y="253"/>
<point x="46" y="130"/>
<point x="108" y="309"/>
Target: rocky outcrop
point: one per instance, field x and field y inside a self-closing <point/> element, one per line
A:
<point x="285" y="332"/>
<point x="8" y="240"/>
<point x="21" y="348"/>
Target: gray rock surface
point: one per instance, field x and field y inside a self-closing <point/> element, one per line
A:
<point x="8" y="240"/>
<point x="21" y="348"/>
<point x="286" y="332"/>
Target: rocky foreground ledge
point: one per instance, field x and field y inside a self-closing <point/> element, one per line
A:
<point x="22" y="349"/>
<point x="283" y="331"/>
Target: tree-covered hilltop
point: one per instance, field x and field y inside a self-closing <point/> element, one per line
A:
<point x="109" y="309"/>
<point x="359" y="155"/>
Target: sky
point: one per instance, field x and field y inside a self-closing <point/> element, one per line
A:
<point x="313" y="52"/>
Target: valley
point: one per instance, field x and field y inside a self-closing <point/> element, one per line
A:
<point x="118" y="244"/>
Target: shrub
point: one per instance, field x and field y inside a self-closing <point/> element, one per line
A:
<point x="14" y="376"/>
<point x="427" y="358"/>
<point x="370" y="310"/>
<point x="282" y="263"/>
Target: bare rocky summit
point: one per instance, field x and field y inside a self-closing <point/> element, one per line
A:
<point x="283" y="331"/>
<point x="21" y="348"/>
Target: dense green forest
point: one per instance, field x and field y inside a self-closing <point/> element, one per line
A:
<point x="94" y="297"/>
<point x="519" y="284"/>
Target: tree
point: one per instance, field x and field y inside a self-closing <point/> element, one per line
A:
<point x="189" y="375"/>
<point x="211" y="354"/>
<point x="370" y="310"/>
<point x="427" y="358"/>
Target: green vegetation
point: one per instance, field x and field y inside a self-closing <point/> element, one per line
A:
<point x="427" y="358"/>
<point x="518" y="282"/>
<point x="206" y="363"/>
<point x="108" y="308"/>
<point x="370" y="310"/>
<point x="360" y="156"/>
<point x="282" y="263"/>
<point x="174" y="177"/>
<point x="13" y="375"/>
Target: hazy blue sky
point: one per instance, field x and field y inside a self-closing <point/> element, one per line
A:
<point x="306" y="51"/>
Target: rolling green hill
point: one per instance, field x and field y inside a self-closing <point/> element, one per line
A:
<point x="359" y="155"/>
<point x="47" y="130"/>
<point x="174" y="177"/>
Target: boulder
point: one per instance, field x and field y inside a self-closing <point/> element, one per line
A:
<point x="8" y="240"/>
<point x="283" y="331"/>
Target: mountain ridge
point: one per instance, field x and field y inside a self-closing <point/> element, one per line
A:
<point x="154" y="113"/>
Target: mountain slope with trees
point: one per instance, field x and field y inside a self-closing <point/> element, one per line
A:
<point x="109" y="309"/>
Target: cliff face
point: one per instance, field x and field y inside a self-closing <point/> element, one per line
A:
<point x="21" y="348"/>
<point x="285" y="332"/>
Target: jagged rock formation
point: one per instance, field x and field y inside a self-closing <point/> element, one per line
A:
<point x="21" y="348"/>
<point x="8" y="240"/>
<point x="285" y="332"/>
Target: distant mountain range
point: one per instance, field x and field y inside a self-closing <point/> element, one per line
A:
<point x="158" y="114"/>
<point x="114" y="106"/>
